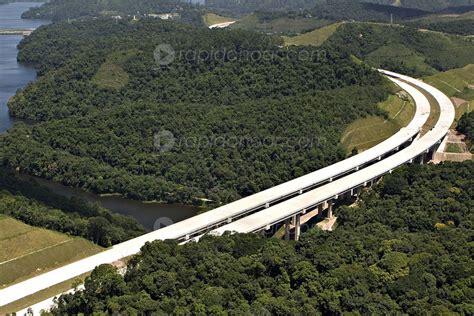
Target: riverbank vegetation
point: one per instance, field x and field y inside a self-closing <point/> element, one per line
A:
<point x="405" y="249"/>
<point x="37" y="206"/>
<point x="229" y="127"/>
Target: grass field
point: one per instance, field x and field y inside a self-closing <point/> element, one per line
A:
<point x="212" y="18"/>
<point x="111" y="74"/>
<point x="459" y="84"/>
<point x="26" y="251"/>
<point x="454" y="148"/>
<point x="314" y="38"/>
<point x="284" y="26"/>
<point x="368" y="132"/>
<point x="454" y="82"/>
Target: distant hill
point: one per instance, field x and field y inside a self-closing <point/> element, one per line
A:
<point x="350" y="10"/>
<point x="295" y="23"/>
<point x="69" y="9"/>
<point x="402" y="49"/>
<point x="248" y="6"/>
<point x="434" y="5"/>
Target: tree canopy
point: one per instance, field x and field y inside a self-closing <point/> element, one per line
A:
<point x="38" y="206"/>
<point x="466" y="126"/>
<point x="239" y="112"/>
<point x="404" y="251"/>
<point x="403" y="49"/>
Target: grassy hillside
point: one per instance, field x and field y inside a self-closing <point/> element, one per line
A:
<point x="212" y="18"/>
<point x="370" y="131"/>
<point x="403" y="49"/>
<point x="434" y="5"/>
<point x="314" y="38"/>
<point x="111" y="74"/>
<point x="461" y="24"/>
<point x="459" y="85"/>
<point x="454" y="83"/>
<point x="26" y="251"/>
<point x="279" y="25"/>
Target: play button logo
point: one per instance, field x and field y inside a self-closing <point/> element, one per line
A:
<point x="164" y="54"/>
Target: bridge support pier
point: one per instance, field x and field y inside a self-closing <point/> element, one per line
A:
<point x="330" y="215"/>
<point x="297" y="223"/>
<point x="287" y="229"/>
<point x="356" y="192"/>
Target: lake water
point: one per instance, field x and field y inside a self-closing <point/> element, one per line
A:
<point x="14" y="76"/>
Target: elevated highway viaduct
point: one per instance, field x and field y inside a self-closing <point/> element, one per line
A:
<point x="291" y="210"/>
<point x="279" y="203"/>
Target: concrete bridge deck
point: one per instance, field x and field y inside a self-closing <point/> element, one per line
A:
<point x="262" y="201"/>
<point x="294" y="208"/>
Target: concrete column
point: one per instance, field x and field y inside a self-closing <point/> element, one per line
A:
<point x="330" y="208"/>
<point x="287" y="229"/>
<point x="320" y="208"/>
<point x="297" y="222"/>
<point x="356" y="192"/>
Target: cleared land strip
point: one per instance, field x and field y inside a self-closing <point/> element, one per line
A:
<point x="36" y="251"/>
<point x="27" y="251"/>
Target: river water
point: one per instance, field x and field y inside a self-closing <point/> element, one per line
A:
<point x="14" y="76"/>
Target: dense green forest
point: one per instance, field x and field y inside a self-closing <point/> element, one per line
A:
<point x="37" y="206"/>
<point x="340" y="9"/>
<point x="65" y="9"/>
<point x="466" y="126"/>
<point x="402" y="49"/>
<point x="239" y="125"/>
<point x="405" y="249"/>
